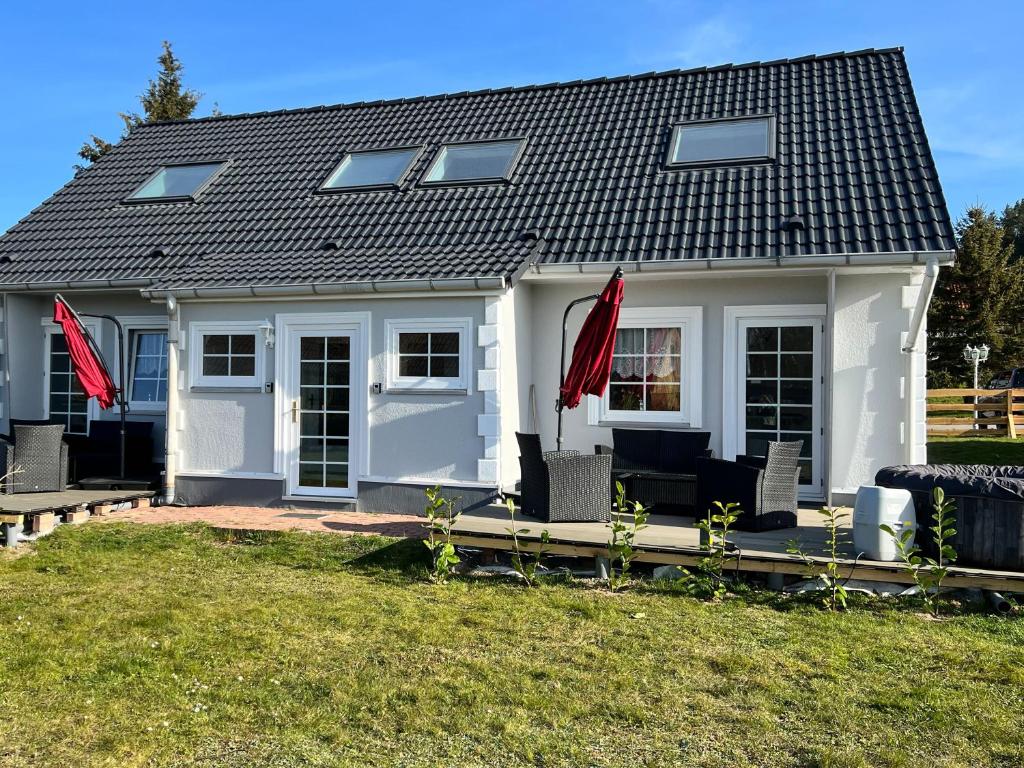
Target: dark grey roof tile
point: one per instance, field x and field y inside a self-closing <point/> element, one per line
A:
<point x="852" y="162"/>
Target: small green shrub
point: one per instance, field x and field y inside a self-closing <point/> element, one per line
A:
<point x="834" y="586"/>
<point x="621" y="544"/>
<point x="525" y="567"/>
<point x="708" y="581"/>
<point x="441" y="518"/>
<point x="929" y="573"/>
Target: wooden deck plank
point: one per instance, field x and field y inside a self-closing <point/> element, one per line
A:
<point x="673" y="540"/>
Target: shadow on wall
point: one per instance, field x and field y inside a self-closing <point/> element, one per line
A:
<point x="868" y="367"/>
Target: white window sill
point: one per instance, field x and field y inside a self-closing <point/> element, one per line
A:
<point x="680" y="425"/>
<point x="225" y="388"/>
<point x="400" y="390"/>
<point x="147" y="407"/>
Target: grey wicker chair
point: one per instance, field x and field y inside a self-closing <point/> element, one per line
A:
<point x="563" y="486"/>
<point x="40" y="456"/>
<point x="764" y="487"/>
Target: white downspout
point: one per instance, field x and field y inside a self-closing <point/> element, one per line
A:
<point x="171" y="432"/>
<point x="924" y="298"/>
<point x="830" y="333"/>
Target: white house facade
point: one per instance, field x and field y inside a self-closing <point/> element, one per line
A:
<point x="295" y="342"/>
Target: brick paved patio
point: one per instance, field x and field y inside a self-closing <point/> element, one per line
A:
<point x="265" y="519"/>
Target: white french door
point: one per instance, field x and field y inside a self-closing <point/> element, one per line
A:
<point x="322" y="409"/>
<point x="778" y="391"/>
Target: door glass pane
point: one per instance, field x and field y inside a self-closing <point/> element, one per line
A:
<point x="780" y="390"/>
<point x="797" y="366"/>
<point x="762" y="339"/>
<point x="764" y="391"/>
<point x="323" y="405"/>
<point x="797" y="338"/>
<point x="762" y="365"/>
<point x="65" y="397"/>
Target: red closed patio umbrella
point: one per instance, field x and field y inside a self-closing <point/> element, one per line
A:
<point x="87" y="360"/>
<point x="591" y="364"/>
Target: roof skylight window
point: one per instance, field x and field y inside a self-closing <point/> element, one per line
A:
<point x="477" y="161"/>
<point x="176" y="182"/>
<point x="373" y="168"/>
<point x="722" y="141"/>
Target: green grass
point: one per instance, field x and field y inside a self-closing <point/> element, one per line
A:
<point x="963" y="450"/>
<point x="172" y="646"/>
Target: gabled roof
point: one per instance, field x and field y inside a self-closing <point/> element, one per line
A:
<point x="852" y="163"/>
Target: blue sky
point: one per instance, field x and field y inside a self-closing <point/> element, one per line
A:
<point x="67" y="71"/>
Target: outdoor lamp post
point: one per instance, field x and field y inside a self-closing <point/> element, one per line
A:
<point x="976" y="355"/>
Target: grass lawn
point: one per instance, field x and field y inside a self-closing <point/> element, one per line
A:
<point x="963" y="450"/>
<point x="172" y="646"/>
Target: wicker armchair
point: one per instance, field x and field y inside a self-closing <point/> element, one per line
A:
<point x="40" y="455"/>
<point x="563" y="486"/>
<point x="765" y="488"/>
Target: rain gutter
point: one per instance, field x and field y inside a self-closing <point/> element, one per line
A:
<point x="331" y="289"/>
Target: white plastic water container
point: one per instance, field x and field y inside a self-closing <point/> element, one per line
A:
<point x="877" y="506"/>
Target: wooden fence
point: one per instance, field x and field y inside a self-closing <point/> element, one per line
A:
<point x="954" y="413"/>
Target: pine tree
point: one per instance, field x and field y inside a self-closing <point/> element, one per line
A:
<point x="1012" y="223"/>
<point x="976" y="302"/>
<point x="164" y="99"/>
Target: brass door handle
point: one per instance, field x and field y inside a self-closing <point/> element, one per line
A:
<point x="295" y="411"/>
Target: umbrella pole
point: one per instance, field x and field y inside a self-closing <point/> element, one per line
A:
<point x="121" y="354"/>
<point x="559" y="405"/>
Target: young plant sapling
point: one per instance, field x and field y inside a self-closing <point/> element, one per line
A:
<point x="929" y="573"/>
<point x="441" y="518"/>
<point x="525" y="567"/>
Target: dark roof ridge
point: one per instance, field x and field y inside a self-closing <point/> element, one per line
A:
<point x="534" y="87"/>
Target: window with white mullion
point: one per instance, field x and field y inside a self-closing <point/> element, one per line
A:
<point x="231" y="355"/>
<point x="656" y="369"/>
<point x="646" y="370"/>
<point x="147" y="368"/>
<point x="429" y="354"/>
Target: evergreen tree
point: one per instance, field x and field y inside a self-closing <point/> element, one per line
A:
<point x="1013" y="228"/>
<point x="976" y="302"/>
<point x="164" y="99"/>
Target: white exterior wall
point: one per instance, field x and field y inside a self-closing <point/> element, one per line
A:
<point x="872" y="317"/>
<point x="871" y="425"/>
<point x="711" y="293"/>
<point x="409" y="435"/>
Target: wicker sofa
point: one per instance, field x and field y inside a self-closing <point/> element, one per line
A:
<point x="989" y="517"/>
<point x="657" y="467"/>
<point x="563" y="486"/>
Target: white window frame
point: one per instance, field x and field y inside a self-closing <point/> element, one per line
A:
<point x="690" y="321"/>
<point x="197" y="330"/>
<point x="139" y="323"/>
<point x="461" y="325"/>
<point x="92" y="411"/>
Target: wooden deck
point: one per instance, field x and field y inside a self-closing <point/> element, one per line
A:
<point x="673" y="540"/>
<point x="33" y="503"/>
<point x="37" y="513"/>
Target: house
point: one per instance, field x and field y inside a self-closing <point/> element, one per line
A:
<point x="351" y="302"/>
